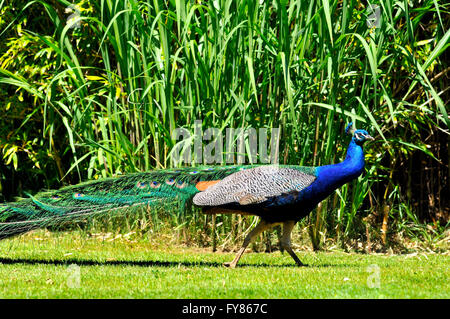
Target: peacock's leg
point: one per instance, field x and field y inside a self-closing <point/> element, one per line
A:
<point x="286" y="241"/>
<point x="262" y="226"/>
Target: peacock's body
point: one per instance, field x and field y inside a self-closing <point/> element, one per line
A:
<point x="278" y="194"/>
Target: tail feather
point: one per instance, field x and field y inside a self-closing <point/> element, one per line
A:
<point x="109" y="196"/>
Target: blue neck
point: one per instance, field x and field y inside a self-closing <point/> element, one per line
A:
<point x="330" y="177"/>
<point x="354" y="161"/>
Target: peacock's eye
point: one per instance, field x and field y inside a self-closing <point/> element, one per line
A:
<point x="155" y="184"/>
<point x="180" y="184"/>
<point x="141" y="185"/>
<point x="170" y="181"/>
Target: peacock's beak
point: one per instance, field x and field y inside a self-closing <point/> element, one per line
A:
<point x="368" y="137"/>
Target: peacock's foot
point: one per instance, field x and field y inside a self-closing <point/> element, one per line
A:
<point x="300" y="264"/>
<point x="229" y="265"/>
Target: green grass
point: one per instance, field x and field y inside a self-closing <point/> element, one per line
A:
<point x="37" y="266"/>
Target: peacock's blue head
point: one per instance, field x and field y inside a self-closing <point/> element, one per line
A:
<point x="358" y="136"/>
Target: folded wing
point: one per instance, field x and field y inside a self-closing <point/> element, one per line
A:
<point x="255" y="185"/>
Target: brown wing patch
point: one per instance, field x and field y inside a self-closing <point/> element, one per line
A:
<point x="202" y="186"/>
<point x="250" y="199"/>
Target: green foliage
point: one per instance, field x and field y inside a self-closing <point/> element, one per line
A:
<point x="100" y="95"/>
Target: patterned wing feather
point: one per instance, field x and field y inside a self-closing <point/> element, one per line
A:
<point x="255" y="185"/>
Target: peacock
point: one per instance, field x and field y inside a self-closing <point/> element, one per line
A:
<point x="278" y="194"/>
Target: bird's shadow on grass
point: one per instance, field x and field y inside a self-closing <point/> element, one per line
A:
<point x="141" y="263"/>
<point x="152" y="263"/>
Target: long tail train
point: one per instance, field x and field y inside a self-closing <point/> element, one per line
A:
<point x="109" y="196"/>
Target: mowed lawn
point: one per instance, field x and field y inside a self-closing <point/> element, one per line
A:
<point x="71" y="266"/>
